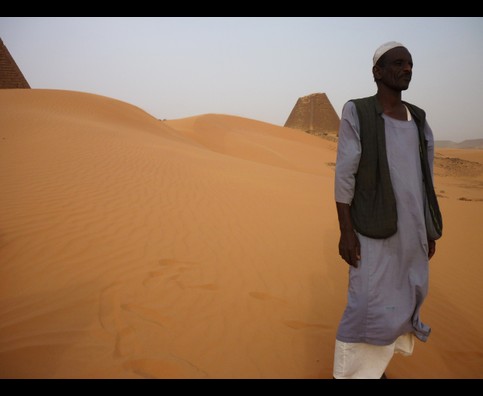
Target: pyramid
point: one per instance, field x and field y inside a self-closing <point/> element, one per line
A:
<point x="314" y="114"/>
<point x="10" y="74"/>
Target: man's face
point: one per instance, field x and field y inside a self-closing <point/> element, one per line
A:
<point x="397" y="69"/>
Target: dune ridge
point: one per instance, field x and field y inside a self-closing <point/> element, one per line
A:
<point x="204" y="247"/>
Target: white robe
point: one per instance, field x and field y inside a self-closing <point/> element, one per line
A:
<point x="388" y="288"/>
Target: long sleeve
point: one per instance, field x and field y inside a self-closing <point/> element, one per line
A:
<point x="348" y="154"/>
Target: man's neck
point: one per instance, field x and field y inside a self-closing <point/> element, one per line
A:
<point x="388" y="98"/>
<point x="391" y="103"/>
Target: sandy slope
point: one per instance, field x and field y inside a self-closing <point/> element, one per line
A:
<point x="197" y="248"/>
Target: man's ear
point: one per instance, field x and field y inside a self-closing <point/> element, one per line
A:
<point x="376" y="72"/>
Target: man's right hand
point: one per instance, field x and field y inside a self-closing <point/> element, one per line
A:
<point x="349" y="247"/>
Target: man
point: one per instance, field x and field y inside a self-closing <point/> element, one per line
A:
<point x="383" y="188"/>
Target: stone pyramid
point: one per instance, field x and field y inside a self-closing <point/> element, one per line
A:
<point x="314" y="114"/>
<point x="10" y="74"/>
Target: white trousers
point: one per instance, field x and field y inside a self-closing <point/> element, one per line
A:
<point x="366" y="361"/>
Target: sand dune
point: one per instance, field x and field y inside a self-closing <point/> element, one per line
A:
<point x="204" y="247"/>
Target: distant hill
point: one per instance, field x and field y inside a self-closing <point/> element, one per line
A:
<point x="465" y="144"/>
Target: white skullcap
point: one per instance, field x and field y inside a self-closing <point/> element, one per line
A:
<point x="383" y="49"/>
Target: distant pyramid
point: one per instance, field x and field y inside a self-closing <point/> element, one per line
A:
<point x="10" y="74"/>
<point x="314" y="114"/>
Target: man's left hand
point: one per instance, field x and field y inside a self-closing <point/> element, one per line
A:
<point x="431" y="249"/>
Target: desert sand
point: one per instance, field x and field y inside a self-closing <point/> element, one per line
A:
<point x="204" y="247"/>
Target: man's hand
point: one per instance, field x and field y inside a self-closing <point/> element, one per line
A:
<point x="431" y="248"/>
<point x="349" y="247"/>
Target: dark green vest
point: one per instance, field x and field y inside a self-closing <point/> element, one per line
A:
<point x="373" y="208"/>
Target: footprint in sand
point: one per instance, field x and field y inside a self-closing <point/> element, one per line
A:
<point x="171" y="270"/>
<point x="109" y="308"/>
<point x="154" y="276"/>
<point x="111" y="320"/>
<point x="469" y="199"/>
<point x="144" y="313"/>
<point x="265" y="296"/>
<point x="207" y="286"/>
<point x="180" y="264"/>
<point x="168" y="262"/>
<point x="171" y="367"/>
<point x="126" y="343"/>
<point x="154" y="369"/>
